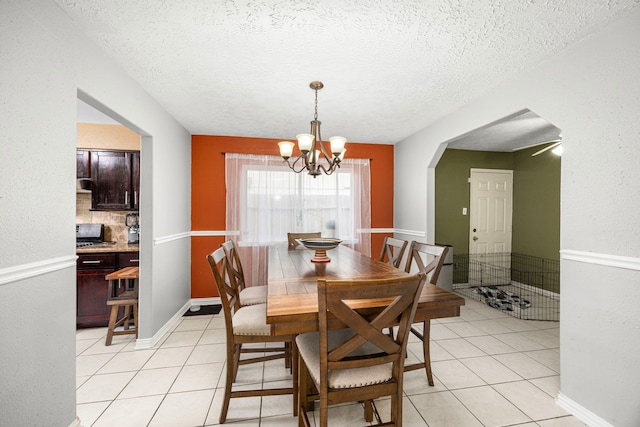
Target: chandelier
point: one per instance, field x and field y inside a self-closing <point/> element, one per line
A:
<point x="314" y="156"/>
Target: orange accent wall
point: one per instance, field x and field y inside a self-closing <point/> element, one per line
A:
<point x="208" y="197"/>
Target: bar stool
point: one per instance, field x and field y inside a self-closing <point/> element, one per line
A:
<point x="127" y="298"/>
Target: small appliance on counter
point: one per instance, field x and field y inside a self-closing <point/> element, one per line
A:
<point x="89" y="234"/>
<point x="132" y="221"/>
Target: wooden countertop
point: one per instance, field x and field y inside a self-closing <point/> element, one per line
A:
<point x="108" y="248"/>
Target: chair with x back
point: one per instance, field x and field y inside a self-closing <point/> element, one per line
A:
<point x="392" y="251"/>
<point x="292" y="238"/>
<point x="246" y="325"/>
<point x="351" y="358"/>
<point x="427" y="259"/>
<point x="249" y="295"/>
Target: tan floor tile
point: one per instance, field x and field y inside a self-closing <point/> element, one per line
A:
<point x="182" y="339"/>
<point x="149" y="382"/>
<point x="483" y="403"/>
<point x="90" y="364"/>
<point x="186" y="409"/>
<point x="129" y="412"/>
<point x="453" y="374"/>
<point x="490" y="370"/>
<point x="524" y="366"/>
<point x="443" y="410"/>
<point x="127" y="361"/>
<point x="89" y="412"/>
<point x="197" y="377"/>
<point x="208" y="353"/>
<point x="103" y="387"/>
<point x="168" y="357"/>
<point x="537" y="404"/>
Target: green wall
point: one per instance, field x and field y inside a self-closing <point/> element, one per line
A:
<point x="536" y="199"/>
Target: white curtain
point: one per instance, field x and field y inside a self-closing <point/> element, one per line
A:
<point x="266" y="200"/>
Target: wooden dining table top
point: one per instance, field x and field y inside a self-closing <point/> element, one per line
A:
<point x="292" y="299"/>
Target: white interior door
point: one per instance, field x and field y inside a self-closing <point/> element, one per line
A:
<point x="491" y="206"/>
<point x="490" y="212"/>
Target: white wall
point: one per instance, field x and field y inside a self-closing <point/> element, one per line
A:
<point x="44" y="62"/>
<point x="592" y="92"/>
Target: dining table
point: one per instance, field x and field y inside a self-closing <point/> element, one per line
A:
<point x="292" y="298"/>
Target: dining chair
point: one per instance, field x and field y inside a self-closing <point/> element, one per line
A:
<point x="350" y="358"/>
<point x="293" y="238"/>
<point x="248" y="295"/>
<point x="393" y="250"/>
<point x="247" y="325"/>
<point x="427" y="259"/>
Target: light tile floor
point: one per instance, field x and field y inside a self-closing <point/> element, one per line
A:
<point x="490" y="370"/>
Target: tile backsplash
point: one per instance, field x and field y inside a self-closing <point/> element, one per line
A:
<point x="115" y="229"/>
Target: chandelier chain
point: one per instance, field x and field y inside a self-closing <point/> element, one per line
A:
<point x="315" y="116"/>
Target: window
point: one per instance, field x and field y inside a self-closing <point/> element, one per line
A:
<point x="278" y="201"/>
<point x="266" y="200"/>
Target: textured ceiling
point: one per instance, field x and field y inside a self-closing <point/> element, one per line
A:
<point x="390" y="68"/>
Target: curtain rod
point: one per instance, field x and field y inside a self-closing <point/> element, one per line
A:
<point x="369" y="158"/>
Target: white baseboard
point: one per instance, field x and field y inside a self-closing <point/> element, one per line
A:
<point x="147" y="343"/>
<point x="581" y="413"/>
<point x="76" y="423"/>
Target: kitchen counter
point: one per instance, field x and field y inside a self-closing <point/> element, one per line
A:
<point x="109" y="247"/>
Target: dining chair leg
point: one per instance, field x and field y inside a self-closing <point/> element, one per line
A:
<point x="324" y="408"/>
<point x="287" y="356"/>
<point x="232" y="370"/>
<point x="396" y="409"/>
<point x="368" y="411"/>
<point x="303" y="421"/>
<point x="426" y="328"/>
<point x="294" y="375"/>
<point x="236" y="360"/>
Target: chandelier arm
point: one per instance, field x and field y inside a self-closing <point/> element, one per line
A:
<point x="292" y="165"/>
<point x="332" y="167"/>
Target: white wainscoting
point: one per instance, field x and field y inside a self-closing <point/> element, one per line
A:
<point x="629" y="263"/>
<point x="32" y="269"/>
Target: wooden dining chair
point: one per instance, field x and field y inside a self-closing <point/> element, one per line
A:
<point x="427" y="259"/>
<point x="247" y="325"/>
<point x="292" y="238"/>
<point x="358" y="362"/>
<point x="248" y="295"/>
<point x="392" y="251"/>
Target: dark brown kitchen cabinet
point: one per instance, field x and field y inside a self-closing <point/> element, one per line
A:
<point x="91" y="295"/>
<point x="128" y="259"/>
<point x="92" y="288"/>
<point x="116" y="180"/>
<point x="83" y="168"/>
<point x="135" y="179"/>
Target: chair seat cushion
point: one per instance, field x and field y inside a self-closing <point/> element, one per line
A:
<point x="251" y="320"/>
<point x="253" y="295"/>
<point x="309" y="349"/>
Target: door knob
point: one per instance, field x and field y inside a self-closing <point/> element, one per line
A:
<point x="475" y="238"/>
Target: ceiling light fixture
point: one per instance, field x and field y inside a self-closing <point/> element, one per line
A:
<point x="555" y="146"/>
<point x="314" y="157"/>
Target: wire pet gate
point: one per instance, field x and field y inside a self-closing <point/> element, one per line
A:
<point x="523" y="286"/>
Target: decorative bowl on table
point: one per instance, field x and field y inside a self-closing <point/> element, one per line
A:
<point x="320" y="245"/>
